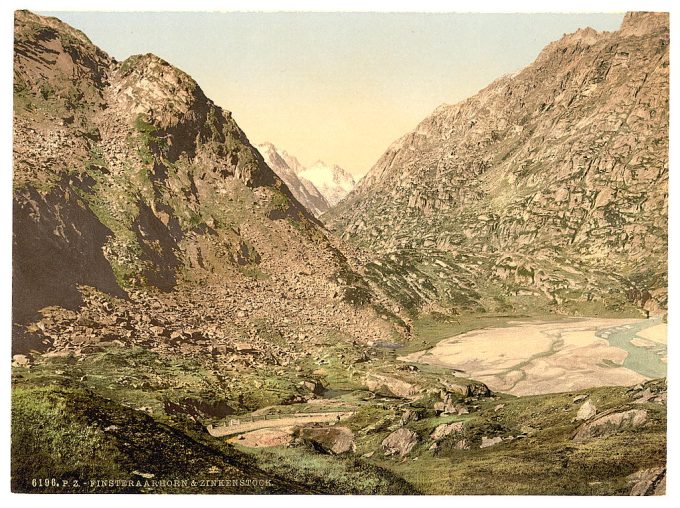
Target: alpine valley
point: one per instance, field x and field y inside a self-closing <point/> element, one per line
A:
<point x="483" y="313"/>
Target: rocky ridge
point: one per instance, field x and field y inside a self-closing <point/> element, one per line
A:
<point x="550" y="184"/>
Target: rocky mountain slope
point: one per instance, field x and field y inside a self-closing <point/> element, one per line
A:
<point x="145" y="221"/>
<point x="303" y="190"/>
<point x="126" y="177"/>
<point x="550" y="185"/>
<point x="332" y="181"/>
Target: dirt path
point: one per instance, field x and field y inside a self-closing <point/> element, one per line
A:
<point x="286" y="421"/>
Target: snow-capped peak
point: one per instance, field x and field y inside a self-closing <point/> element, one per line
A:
<point x="331" y="181"/>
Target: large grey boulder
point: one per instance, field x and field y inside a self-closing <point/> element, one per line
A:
<point x="400" y="442"/>
<point x="445" y="429"/>
<point x="586" y="411"/>
<point x="391" y="386"/>
<point x="332" y="440"/>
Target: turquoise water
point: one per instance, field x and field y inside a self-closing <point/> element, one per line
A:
<point x="645" y="361"/>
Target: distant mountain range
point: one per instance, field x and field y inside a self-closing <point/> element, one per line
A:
<point x="286" y="167"/>
<point x="317" y="187"/>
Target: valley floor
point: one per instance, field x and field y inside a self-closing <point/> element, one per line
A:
<point x="359" y="419"/>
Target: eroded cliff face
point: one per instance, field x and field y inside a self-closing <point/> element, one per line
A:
<point x="551" y="182"/>
<point x="128" y="179"/>
<point x="58" y="81"/>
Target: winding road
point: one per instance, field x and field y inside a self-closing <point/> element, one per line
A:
<point x="284" y="421"/>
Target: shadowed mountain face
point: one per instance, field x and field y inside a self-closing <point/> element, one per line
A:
<point x="549" y="184"/>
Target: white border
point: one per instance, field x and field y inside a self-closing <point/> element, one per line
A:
<point x="6" y="51"/>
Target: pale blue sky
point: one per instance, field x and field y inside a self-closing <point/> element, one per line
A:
<point x="334" y="86"/>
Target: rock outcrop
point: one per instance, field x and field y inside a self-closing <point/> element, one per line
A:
<point x="648" y="482"/>
<point x="391" y="386"/>
<point x="334" y="440"/>
<point x="611" y="422"/>
<point x="444" y="430"/>
<point x="400" y="442"/>
<point x="586" y="411"/>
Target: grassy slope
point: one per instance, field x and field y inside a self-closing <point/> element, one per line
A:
<point x="119" y="386"/>
<point x="61" y="407"/>
<point x="546" y="461"/>
<point x="71" y="434"/>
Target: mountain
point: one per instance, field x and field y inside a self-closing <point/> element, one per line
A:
<point x="548" y="188"/>
<point x="332" y="181"/>
<point x="129" y="180"/>
<point x="303" y="190"/>
<point x="292" y="161"/>
<point x="126" y="177"/>
<point x="318" y="187"/>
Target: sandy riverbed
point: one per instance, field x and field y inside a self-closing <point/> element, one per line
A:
<point x="658" y="333"/>
<point x="534" y="357"/>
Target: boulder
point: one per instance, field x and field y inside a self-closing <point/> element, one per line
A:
<point x="445" y="407"/>
<point x="20" y="361"/>
<point x="644" y="397"/>
<point x="445" y="429"/>
<point x="332" y="440"/>
<point x="478" y="390"/>
<point x="458" y="389"/>
<point x="648" y="482"/>
<point x="609" y="423"/>
<point x="586" y="411"/>
<point x="316" y="387"/>
<point x="449" y="404"/>
<point x="385" y="385"/>
<point x="486" y="441"/>
<point x="467" y="388"/>
<point x="159" y="331"/>
<point x="410" y="415"/>
<point x="461" y="444"/>
<point x="400" y="442"/>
